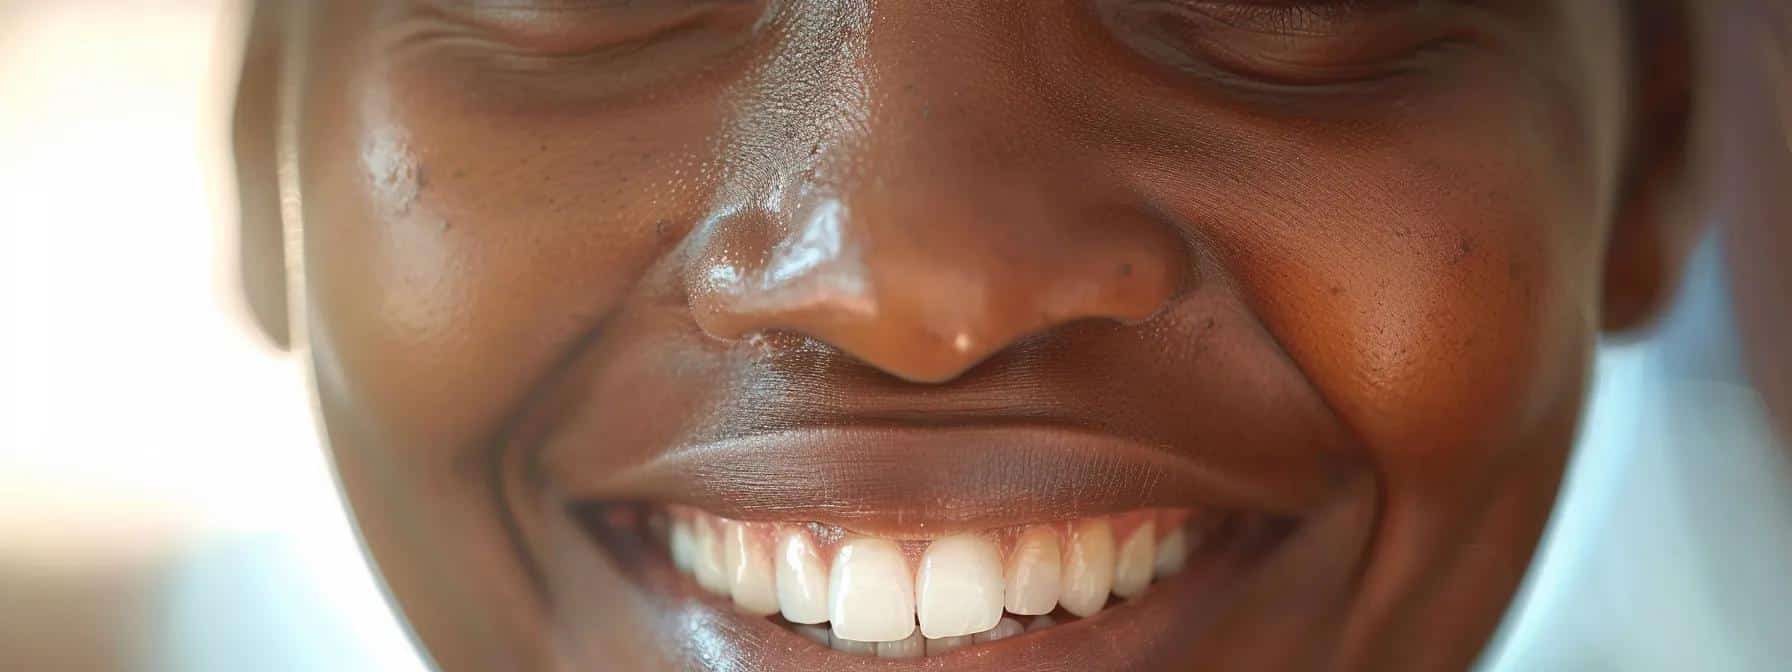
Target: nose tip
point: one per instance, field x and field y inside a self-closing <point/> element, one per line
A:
<point x="926" y="296"/>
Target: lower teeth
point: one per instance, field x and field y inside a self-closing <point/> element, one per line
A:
<point x="917" y="646"/>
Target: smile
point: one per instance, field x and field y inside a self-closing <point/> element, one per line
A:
<point x="970" y="553"/>
<point x="909" y="598"/>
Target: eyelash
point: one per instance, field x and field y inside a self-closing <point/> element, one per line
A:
<point x="1293" y="18"/>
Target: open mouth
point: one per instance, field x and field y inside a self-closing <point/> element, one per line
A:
<point x="895" y="547"/>
<point x="906" y="598"/>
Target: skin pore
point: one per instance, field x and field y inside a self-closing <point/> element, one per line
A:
<point x="922" y="267"/>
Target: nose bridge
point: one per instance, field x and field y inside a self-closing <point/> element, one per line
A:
<point x="924" y="226"/>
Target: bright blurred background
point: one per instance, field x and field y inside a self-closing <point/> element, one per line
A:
<point x="165" y="504"/>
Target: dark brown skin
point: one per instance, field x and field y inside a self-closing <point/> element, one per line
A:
<point x="1350" y="265"/>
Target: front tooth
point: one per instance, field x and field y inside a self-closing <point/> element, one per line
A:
<point x="838" y="643"/>
<point x="802" y="578"/>
<point x="1041" y="623"/>
<point x="707" y="563"/>
<point x="683" y="545"/>
<point x="871" y="593"/>
<point x="945" y="645"/>
<point x="913" y="647"/>
<point x="749" y="568"/>
<point x="1004" y="629"/>
<point x="1132" y="569"/>
<point x="1033" y="574"/>
<point x="1172" y="553"/>
<point x="1088" y="567"/>
<point x="959" y="586"/>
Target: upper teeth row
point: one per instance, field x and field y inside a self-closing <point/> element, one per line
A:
<point x="868" y="592"/>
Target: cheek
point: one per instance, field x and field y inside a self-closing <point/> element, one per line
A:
<point x="459" y="243"/>
<point x="1436" y="282"/>
<point x="1459" y="327"/>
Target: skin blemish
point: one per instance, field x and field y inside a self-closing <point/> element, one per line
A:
<point x="1464" y="248"/>
<point x="393" y="171"/>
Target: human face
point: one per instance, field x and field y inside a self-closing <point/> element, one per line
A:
<point x="1315" y="283"/>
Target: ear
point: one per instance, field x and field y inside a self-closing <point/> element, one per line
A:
<point x="1658" y="219"/>
<point x="261" y="238"/>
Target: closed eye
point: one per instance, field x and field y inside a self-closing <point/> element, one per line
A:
<point x="576" y="27"/>
<point x="1286" y="42"/>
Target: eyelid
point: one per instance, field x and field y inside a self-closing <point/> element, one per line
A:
<point x="1303" y="18"/>
<point x="574" y="27"/>
<point x="1291" y="19"/>
<point x="1289" y="43"/>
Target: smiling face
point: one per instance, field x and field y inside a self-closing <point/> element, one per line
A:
<point x="1273" y="317"/>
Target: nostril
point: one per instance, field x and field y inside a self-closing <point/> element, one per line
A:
<point x="924" y="289"/>
<point x="924" y="299"/>
<point x="750" y="274"/>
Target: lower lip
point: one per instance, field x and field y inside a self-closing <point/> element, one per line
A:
<point x="1172" y="613"/>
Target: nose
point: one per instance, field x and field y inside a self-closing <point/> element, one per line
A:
<point x="919" y="242"/>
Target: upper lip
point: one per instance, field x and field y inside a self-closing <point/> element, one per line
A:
<point x="795" y="433"/>
<point x="903" y="480"/>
